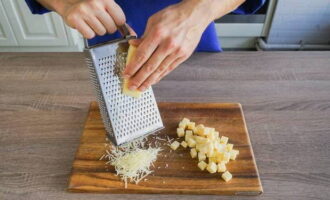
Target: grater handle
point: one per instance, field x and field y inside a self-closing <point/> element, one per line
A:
<point x="124" y="30"/>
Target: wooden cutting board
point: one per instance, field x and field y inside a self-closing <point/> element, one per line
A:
<point x="181" y="175"/>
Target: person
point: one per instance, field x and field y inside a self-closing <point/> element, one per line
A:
<point x="169" y="31"/>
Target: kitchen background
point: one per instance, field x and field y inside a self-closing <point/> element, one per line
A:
<point x="278" y="25"/>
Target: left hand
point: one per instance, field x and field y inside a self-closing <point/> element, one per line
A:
<point x="170" y="38"/>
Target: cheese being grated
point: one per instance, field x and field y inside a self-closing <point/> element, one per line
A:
<point x="133" y="160"/>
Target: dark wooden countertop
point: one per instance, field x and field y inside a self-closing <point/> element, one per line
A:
<point x="44" y="99"/>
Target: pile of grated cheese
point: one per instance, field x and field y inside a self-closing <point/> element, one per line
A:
<point x="132" y="161"/>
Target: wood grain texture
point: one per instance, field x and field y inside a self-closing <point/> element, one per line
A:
<point x="182" y="176"/>
<point x="44" y="100"/>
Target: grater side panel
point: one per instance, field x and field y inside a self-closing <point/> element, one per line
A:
<point x="100" y="99"/>
<point x="126" y="117"/>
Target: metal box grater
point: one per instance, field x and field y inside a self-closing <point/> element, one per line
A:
<point x="125" y="118"/>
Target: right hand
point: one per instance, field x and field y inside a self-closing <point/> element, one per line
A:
<point x="92" y="17"/>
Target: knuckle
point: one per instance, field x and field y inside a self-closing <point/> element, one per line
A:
<point x="161" y="69"/>
<point x="159" y="31"/>
<point x="171" y="43"/>
<point x="148" y="68"/>
<point x="140" y="56"/>
<point x="182" y="51"/>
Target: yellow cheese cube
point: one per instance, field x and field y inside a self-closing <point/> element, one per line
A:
<point x="191" y="125"/>
<point x="233" y="154"/>
<point x="229" y="147"/>
<point x="189" y="134"/>
<point x="185" y="120"/>
<point x="219" y="157"/>
<point x="200" y="139"/>
<point x="207" y="131"/>
<point x="226" y="157"/>
<point x="201" y="156"/>
<point x="184" y="144"/>
<point x="212" y="159"/>
<point x="200" y="129"/>
<point x="227" y="176"/>
<point x="212" y="167"/>
<point x="175" y="145"/>
<point x="193" y="153"/>
<point x="210" y="150"/>
<point x="195" y="131"/>
<point x="223" y="140"/>
<point x="222" y="167"/>
<point x="182" y="125"/>
<point x="202" y="165"/>
<point x="203" y="148"/>
<point x="191" y="142"/>
<point x="219" y="147"/>
<point x="180" y="132"/>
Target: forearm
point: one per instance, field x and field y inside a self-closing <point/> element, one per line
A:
<point x="214" y="9"/>
<point x="57" y="5"/>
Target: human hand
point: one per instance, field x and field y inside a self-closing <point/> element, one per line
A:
<point x="92" y="17"/>
<point x="170" y="38"/>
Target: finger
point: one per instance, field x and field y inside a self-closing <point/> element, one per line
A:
<point x="107" y="22"/>
<point x="115" y="12"/>
<point x="135" y="42"/>
<point x="150" y="66"/>
<point x="143" y="53"/>
<point x="84" y="29"/>
<point x="158" y="72"/>
<point x="172" y="66"/>
<point x="96" y="25"/>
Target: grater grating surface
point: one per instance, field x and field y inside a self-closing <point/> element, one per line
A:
<point x="125" y="118"/>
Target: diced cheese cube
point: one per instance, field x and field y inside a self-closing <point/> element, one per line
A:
<point x="212" y="167"/>
<point x="212" y="159"/>
<point x="226" y="157"/>
<point x="233" y="154"/>
<point x="202" y="165"/>
<point x="219" y="157"/>
<point x="227" y="176"/>
<point x="223" y="140"/>
<point x="207" y="131"/>
<point x="182" y="125"/>
<point x="216" y="134"/>
<point x="184" y="144"/>
<point x="210" y="150"/>
<point x="180" y="132"/>
<point x="191" y="125"/>
<point x="229" y="147"/>
<point x="185" y="120"/>
<point x="188" y="135"/>
<point x="219" y="147"/>
<point x="222" y="167"/>
<point x="193" y="153"/>
<point x="201" y="156"/>
<point x="200" y="139"/>
<point x="195" y="131"/>
<point x="175" y="145"/>
<point x="191" y="142"/>
<point x="200" y="129"/>
<point x="203" y="148"/>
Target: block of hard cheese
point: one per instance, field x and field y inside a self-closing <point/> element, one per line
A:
<point x="125" y="82"/>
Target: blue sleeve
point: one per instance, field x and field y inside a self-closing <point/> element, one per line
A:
<point x="249" y="7"/>
<point x="36" y="8"/>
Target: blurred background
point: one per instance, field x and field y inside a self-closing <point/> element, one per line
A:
<point x="278" y="25"/>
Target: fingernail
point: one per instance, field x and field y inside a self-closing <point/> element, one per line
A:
<point x="125" y="76"/>
<point x="132" y="87"/>
<point x="142" y="88"/>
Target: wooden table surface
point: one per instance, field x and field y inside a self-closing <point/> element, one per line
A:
<point x="44" y="99"/>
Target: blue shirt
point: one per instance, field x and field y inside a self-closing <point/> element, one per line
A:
<point x="138" y="11"/>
